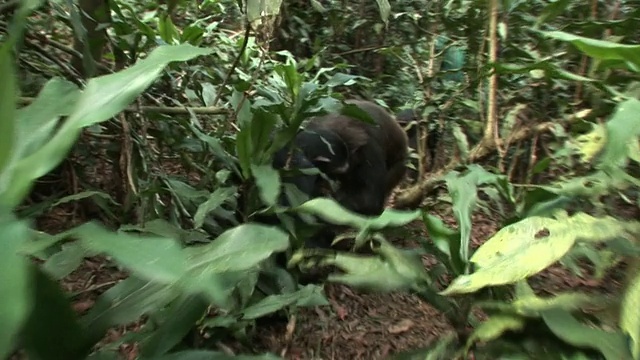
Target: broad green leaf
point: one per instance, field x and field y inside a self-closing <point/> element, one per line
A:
<point x="289" y="74"/>
<point x="310" y="295"/>
<point x="217" y="198"/>
<point x="223" y="289"/>
<point x="622" y="129"/>
<point x="268" y="182"/>
<point x="527" y="247"/>
<point x="38" y="120"/>
<point x="15" y="281"/>
<point x="612" y="345"/>
<point x="104" y="97"/>
<point x="629" y="314"/>
<point x="65" y="261"/>
<point x="495" y="326"/>
<point x="532" y="305"/>
<point x="154" y="258"/>
<point x="331" y="211"/>
<point x="464" y="194"/>
<point x="240" y="248"/>
<point x="53" y="326"/>
<point x="126" y="302"/>
<point x="167" y="30"/>
<point x="600" y="49"/>
<point x="392" y="270"/>
<point x="446" y="240"/>
<point x="180" y="318"/>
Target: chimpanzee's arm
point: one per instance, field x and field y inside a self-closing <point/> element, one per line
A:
<point x="362" y="189"/>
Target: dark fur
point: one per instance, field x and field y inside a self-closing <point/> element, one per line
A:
<point x="368" y="160"/>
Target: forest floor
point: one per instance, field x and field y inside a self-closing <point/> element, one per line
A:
<point x="356" y="325"/>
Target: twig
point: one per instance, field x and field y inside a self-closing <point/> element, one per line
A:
<point x="201" y="110"/>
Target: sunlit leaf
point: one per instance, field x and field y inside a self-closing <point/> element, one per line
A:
<point x="495" y="326"/>
<point x="268" y="183"/>
<point x="527" y="247"/>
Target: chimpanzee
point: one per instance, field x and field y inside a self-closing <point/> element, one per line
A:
<point x="368" y="160"/>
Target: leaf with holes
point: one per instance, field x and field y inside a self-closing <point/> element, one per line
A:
<point x="529" y="246"/>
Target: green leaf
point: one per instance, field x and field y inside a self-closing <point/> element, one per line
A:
<point x="15" y="281"/>
<point x="8" y="121"/>
<point x="622" y="129"/>
<point x="445" y="240"/>
<point x="331" y="211"/>
<point x="611" y="344"/>
<point x="53" y="331"/>
<point x="239" y="248"/>
<point x="391" y="270"/>
<point x="126" y="302"/>
<point x="527" y="247"/>
<point x="39" y="119"/>
<point x="167" y="30"/>
<point x="495" y="326"/>
<point x="464" y="194"/>
<point x="385" y="10"/>
<point x="600" y="49"/>
<point x="104" y="97"/>
<point x="180" y="318"/>
<point x="155" y="258"/>
<point x="65" y="261"/>
<point x="217" y="198"/>
<point x="310" y="295"/>
<point x="268" y="182"/>
<point x="629" y="314"/>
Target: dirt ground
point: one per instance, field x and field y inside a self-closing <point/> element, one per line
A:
<point x="355" y="326"/>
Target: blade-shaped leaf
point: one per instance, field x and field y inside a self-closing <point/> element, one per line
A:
<point x="180" y="318"/>
<point x="53" y="330"/>
<point x="630" y="316"/>
<point x="15" y="281"/>
<point x="103" y="97"/>
<point x="155" y="258"/>
<point x="611" y="344"/>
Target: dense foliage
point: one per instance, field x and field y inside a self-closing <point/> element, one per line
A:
<point x="153" y="121"/>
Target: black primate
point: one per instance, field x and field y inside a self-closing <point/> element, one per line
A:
<point x="368" y="160"/>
